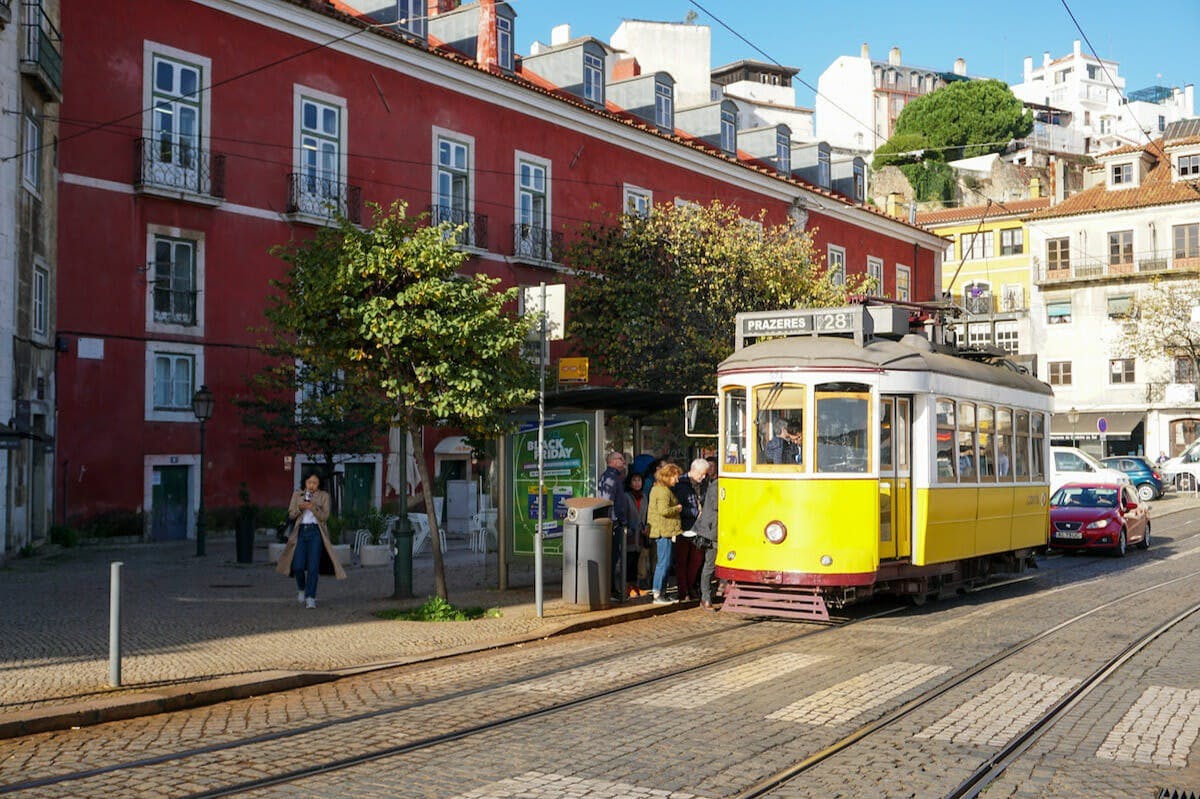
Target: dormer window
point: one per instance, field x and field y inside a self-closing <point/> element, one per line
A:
<point x="1189" y="165"/>
<point x="728" y="131"/>
<point x="410" y="16"/>
<point x="783" y="153"/>
<point x="1122" y="174"/>
<point x="664" y="107"/>
<point x="504" y="42"/>
<point x="593" y="78"/>
<point x="823" y="169"/>
<point x="860" y="183"/>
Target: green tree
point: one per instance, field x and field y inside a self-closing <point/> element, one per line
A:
<point x="1162" y="324"/>
<point x="388" y="302"/>
<point x="656" y="297"/>
<point x="961" y="120"/>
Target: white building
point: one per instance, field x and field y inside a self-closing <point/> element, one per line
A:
<point x="1102" y="116"/>
<point x="764" y="96"/>
<point x="1137" y="221"/>
<point x="858" y="99"/>
<point x="682" y="49"/>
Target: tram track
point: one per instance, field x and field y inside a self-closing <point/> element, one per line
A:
<point x="994" y="766"/>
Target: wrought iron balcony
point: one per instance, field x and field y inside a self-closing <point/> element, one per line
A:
<point x="41" y="50"/>
<point x="174" y="307"/>
<point x="475" y="232"/>
<point x="536" y="243"/>
<point x="322" y="199"/>
<point x="171" y="166"/>
<point x="980" y="305"/>
<point x="1141" y="263"/>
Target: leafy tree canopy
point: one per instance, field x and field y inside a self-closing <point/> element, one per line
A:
<point x="961" y="120"/>
<point x="1162" y="324"/>
<point x="657" y="295"/>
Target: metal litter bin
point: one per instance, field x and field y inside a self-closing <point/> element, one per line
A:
<point x="587" y="552"/>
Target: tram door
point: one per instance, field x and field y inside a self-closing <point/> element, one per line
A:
<point x="895" y="478"/>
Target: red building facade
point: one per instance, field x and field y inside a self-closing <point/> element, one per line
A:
<point x="196" y="136"/>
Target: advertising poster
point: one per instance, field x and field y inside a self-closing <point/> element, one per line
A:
<point x="567" y="473"/>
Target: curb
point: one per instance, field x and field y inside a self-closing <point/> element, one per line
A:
<point x="199" y="693"/>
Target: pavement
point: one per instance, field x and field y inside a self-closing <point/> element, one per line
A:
<point x="203" y="630"/>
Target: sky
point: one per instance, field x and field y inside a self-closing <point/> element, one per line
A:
<point x="1151" y="49"/>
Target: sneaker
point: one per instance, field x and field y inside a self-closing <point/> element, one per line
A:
<point x="300" y="597"/>
<point x="662" y="600"/>
<point x="310" y="603"/>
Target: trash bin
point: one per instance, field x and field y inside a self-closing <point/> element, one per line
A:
<point x="587" y="552"/>
<point x="245" y="538"/>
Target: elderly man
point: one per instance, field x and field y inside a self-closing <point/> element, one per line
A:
<point x="612" y="488"/>
<point x="689" y="558"/>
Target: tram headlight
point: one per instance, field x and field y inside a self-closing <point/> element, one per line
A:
<point x="775" y="532"/>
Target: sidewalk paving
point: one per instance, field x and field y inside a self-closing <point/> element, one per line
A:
<point x="203" y="630"/>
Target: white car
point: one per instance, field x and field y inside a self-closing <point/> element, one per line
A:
<point x="1183" y="471"/>
<point x="1071" y="465"/>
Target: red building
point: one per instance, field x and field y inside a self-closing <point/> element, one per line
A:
<point x="195" y="136"/>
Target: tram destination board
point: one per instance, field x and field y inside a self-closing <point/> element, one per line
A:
<point x="820" y="321"/>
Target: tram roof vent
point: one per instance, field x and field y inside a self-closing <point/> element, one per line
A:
<point x="917" y="342"/>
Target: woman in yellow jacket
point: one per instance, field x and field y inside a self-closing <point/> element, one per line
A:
<point x="662" y="520"/>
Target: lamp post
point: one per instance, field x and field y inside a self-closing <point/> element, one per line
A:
<point x="202" y="406"/>
<point x="1073" y="418"/>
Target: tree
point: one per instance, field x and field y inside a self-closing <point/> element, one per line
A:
<point x="387" y="302"/>
<point x="657" y="294"/>
<point x="1163" y="323"/>
<point x="961" y="120"/>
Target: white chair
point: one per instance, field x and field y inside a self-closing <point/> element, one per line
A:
<point x="420" y="523"/>
<point x="483" y="527"/>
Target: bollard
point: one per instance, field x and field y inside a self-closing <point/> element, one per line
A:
<point x="114" y="625"/>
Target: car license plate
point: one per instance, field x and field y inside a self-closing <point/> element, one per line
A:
<point x="1070" y="535"/>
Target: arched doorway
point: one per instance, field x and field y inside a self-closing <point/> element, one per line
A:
<point x="1182" y="433"/>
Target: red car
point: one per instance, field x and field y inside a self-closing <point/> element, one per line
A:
<point x="1098" y="516"/>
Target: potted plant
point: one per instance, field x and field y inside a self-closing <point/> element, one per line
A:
<point x="375" y="553"/>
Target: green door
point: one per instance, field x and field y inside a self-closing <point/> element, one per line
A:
<point x="360" y="479"/>
<point x="169" y="505"/>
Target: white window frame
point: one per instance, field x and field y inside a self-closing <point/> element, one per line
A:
<point x="1016" y="243"/>
<point x="729" y="132"/>
<point x="593" y="78"/>
<point x="1187" y="164"/>
<point x="39" y="305"/>
<point x="1116" y="368"/>
<point x="519" y="158"/>
<point x="197" y="238"/>
<point x="504" y="42"/>
<point x="860" y="183"/>
<point x="636" y="201"/>
<point x="664" y="106"/>
<point x="903" y="283"/>
<point x="824" y="169"/>
<point x="783" y="153"/>
<point x="300" y="93"/>
<point x="1122" y="174"/>
<point x="149" y="51"/>
<point x="410" y="16"/>
<point x="157" y="348"/>
<point x="1008" y="336"/>
<point x="875" y="270"/>
<point x="978" y="246"/>
<point x="836" y="259"/>
<point x="454" y="138"/>
<point x="31" y="158"/>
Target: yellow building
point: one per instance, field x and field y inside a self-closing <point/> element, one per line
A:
<point x="987" y="270"/>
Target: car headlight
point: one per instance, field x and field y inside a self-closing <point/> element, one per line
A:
<point x="1098" y="524"/>
<point x="775" y="532"/>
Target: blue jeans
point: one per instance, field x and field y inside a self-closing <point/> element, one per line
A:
<point x="664" y="550"/>
<point x="306" y="562"/>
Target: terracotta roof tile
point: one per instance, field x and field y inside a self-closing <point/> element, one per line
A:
<point x="966" y="213"/>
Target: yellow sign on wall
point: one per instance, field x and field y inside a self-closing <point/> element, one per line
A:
<point x="572" y="370"/>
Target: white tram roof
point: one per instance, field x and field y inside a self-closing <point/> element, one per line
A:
<point x="913" y="353"/>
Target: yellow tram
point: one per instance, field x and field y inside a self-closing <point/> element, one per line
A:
<point x="861" y="453"/>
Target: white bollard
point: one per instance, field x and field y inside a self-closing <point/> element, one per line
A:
<point x="114" y="625"/>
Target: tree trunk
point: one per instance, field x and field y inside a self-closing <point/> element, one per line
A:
<point x="439" y="565"/>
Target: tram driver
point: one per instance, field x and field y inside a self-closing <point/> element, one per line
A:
<point x="788" y="445"/>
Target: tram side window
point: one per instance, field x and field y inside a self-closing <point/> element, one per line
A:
<point x="966" y="443"/>
<point x="1004" y="446"/>
<point x="987" y="444"/>
<point x="1037" y="442"/>
<point x="779" y="425"/>
<point x="947" y="461"/>
<point x="734" y="445"/>
<point x="843" y="419"/>
<point x="1021" y="449"/>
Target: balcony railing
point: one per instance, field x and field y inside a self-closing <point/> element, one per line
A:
<point x="1141" y="263"/>
<point x="174" y="307"/>
<point x="474" y="234"/>
<point x="179" y="167"/>
<point x="41" y="50"/>
<point x="320" y="198"/>
<point x="536" y="243"/>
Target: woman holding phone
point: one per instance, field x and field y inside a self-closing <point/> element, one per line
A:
<point x="309" y="551"/>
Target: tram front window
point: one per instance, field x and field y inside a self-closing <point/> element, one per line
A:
<point x="843" y="416"/>
<point x="779" y="425"/>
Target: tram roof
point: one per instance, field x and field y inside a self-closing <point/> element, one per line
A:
<point x="829" y="352"/>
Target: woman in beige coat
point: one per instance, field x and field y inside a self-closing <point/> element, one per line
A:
<point x="309" y="551"/>
<point x="662" y="517"/>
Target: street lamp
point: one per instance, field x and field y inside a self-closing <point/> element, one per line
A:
<point x="202" y="406"/>
<point x="1073" y="418"/>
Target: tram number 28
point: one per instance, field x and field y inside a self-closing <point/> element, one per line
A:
<point x="832" y="322"/>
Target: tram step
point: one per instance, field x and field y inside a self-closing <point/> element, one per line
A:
<point x="792" y="603"/>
